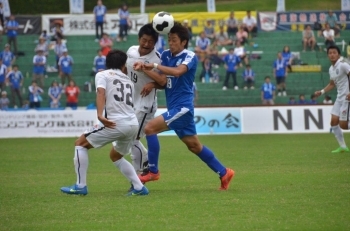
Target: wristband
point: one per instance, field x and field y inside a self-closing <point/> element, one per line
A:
<point x="322" y="91"/>
<point x="155" y="65"/>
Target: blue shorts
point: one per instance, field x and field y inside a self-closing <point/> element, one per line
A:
<point x="181" y="121"/>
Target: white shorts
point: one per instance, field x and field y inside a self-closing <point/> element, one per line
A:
<point x="341" y="109"/>
<point x="143" y="119"/>
<point x="122" y="136"/>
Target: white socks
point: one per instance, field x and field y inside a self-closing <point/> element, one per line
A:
<point x="129" y="172"/>
<point x="138" y="155"/>
<point x="339" y="136"/>
<point x="81" y="162"/>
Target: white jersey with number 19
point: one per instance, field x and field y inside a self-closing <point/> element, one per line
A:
<point x="149" y="103"/>
<point x="339" y="74"/>
<point x="119" y="96"/>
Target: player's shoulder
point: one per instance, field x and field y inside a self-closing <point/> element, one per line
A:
<point x="189" y="53"/>
<point x="132" y="51"/>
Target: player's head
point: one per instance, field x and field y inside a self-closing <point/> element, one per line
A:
<point x="15" y="67"/>
<point x="54" y="83"/>
<point x="148" y="37"/>
<point x="248" y="66"/>
<point x="178" y="38"/>
<point x="116" y="59"/>
<point x="286" y="49"/>
<point x="333" y="53"/>
<point x="71" y="83"/>
<point x="267" y="79"/>
<point x="99" y="2"/>
<point x="279" y="55"/>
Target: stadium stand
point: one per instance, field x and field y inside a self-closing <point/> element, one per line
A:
<point x="83" y="50"/>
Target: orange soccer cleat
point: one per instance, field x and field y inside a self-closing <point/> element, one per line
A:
<point x="147" y="176"/>
<point x="225" y="180"/>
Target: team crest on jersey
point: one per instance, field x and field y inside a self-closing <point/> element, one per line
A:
<point x="178" y="62"/>
<point x="146" y="61"/>
<point x="343" y="112"/>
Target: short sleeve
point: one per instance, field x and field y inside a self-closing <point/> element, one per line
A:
<point x="190" y="60"/>
<point x="100" y="81"/>
<point x="345" y="67"/>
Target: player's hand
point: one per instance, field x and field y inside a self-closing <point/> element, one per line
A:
<point x="147" y="66"/>
<point x="107" y="123"/>
<point x="137" y="66"/>
<point x="317" y="93"/>
<point x="347" y="97"/>
<point x="147" y="89"/>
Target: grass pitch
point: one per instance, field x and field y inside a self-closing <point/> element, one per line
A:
<point x="283" y="182"/>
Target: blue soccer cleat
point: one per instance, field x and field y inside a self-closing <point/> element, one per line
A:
<point x="142" y="192"/>
<point x="74" y="189"/>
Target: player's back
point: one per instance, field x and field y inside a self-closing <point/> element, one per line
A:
<point x="140" y="79"/>
<point x="179" y="90"/>
<point x="119" y="91"/>
<point x="338" y="73"/>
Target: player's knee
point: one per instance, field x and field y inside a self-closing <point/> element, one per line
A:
<point x="194" y="147"/>
<point x="148" y="129"/>
<point x="343" y="125"/>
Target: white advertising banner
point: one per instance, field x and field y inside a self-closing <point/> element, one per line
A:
<point x="345" y="5"/>
<point x="268" y="21"/>
<point x="281" y="6"/>
<point x="211" y="6"/>
<point x="234" y="120"/>
<point x="84" y="24"/>
<point x="297" y="119"/>
<point x="76" y="6"/>
<point x="6" y="6"/>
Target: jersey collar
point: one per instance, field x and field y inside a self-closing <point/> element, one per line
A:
<point x="183" y="51"/>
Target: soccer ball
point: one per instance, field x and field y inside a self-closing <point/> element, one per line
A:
<point x="163" y="22"/>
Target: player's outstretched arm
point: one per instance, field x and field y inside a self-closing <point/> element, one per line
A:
<point x="173" y="71"/>
<point x="100" y="105"/>
<point x="149" y="87"/>
<point x="329" y="87"/>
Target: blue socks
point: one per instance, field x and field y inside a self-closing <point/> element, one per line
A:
<point x="207" y="156"/>
<point x="153" y="152"/>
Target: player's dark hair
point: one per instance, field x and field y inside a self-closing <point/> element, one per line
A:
<point x="267" y="77"/>
<point x="333" y="47"/>
<point x="147" y="29"/>
<point x="181" y="31"/>
<point x="116" y="59"/>
<point x="15" y="66"/>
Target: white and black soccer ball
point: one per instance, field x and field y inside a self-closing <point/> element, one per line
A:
<point x="163" y="22"/>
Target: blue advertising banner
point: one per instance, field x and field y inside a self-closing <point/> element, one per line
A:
<point x="296" y="21"/>
<point x="214" y="121"/>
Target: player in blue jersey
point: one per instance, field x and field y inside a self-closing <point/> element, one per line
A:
<point x="176" y="73"/>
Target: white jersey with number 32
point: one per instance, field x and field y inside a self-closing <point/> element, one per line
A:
<point x="119" y="91"/>
<point x="339" y="74"/>
<point x="140" y="79"/>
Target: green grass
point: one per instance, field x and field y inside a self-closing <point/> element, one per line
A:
<point x="242" y="5"/>
<point x="283" y="182"/>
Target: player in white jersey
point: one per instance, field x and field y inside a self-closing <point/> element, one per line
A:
<point x="339" y="73"/>
<point x="145" y="105"/>
<point x="114" y="94"/>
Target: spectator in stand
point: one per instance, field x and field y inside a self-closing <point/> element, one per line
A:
<point x="72" y="94"/>
<point x="232" y="25"/>
<point x="287" y="57"/>
<point x="45" y="36"/>
<point x="4" y="101"/>
<point x="292" y="101"/>
<point x="249" y="24"/>
<point x="327" y="100"/>
<point x="231" y="64"/>
<point x="2" y="18"/>
<point x="280" y="74"/>
<point x="242" y="35"/>
<point x="123" y="22"/>
<point x="189" y="29"/>
<point x="25" y="104"/>
<point x="15" y="79"/>
<point x="214" y="54"/>
<point x="241" y="53"/>
<point x="57" y="31"/>
<point x="222" y="38"/>
<point x="302" y="100"/>
<point x="3" y="72"/>
<point x="332" y="21"/>
<point x="160" y="44"/>
<point x="39" y="62"/>
<point x="59" y="47"/>
<point x="12" y="27"/>
<point x="7" y="57"/>
<point x="309" y="38"/>
<point x="100" y="18"/>
<point x="42" y="45"/>
<point x="248" y="76"/>
<point x="268" y="92"/>
<point x="328" y="35"/>
<point x="202" y="46"/>
<point x="106" y="44"/>
<point x="313" y="98"/>
<point x="35" y="95"/>
<point x="206" y="73"/>
<point x="65" y="66"/>
<point x="99" y="62"/>
<point x="54" y="93"/>
<point x="209" y="29"/>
